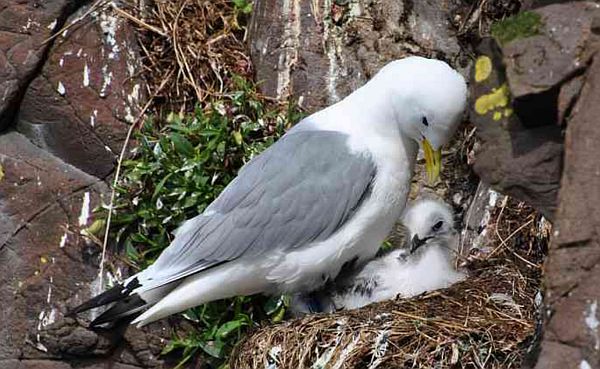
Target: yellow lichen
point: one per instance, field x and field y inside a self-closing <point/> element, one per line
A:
<point x="1" y="173"/>
<point x="43" y="260"/>
<point x="507" y="112"/>
<point x="497" y="116"/>
<point x="483" y="68"/>
<point x="498" y="98"/>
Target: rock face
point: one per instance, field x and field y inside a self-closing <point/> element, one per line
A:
<point x="536" y="112"/>
<point x="322" y="50"/>
<point x="80" y="104"/>
<point x="67" y="104"/>
<point x="572" y="330"/>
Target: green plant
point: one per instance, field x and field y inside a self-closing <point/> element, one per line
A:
<point x="181" y="163"/>
<point x="521" y="25"/>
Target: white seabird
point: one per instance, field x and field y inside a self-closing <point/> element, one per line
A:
<point x="326" y="192"/>
<point x="427" y="264"/>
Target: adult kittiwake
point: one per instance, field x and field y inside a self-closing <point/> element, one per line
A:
<point x="328" y="191"/>
<point x="426" y="264"/>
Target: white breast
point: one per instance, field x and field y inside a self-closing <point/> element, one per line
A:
<point x="310" y="267"/>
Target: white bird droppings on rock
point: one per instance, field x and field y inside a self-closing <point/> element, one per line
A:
<point x="63" y="240"/>
<point x="584" y="365"/>
<point x="93" y="117"/>
<point x="61" y="88"/>
<point x="85" y="210"/>
<point x="86" y="75"/>
<point x="591" y="320"/>
<point x="108" y="24"/>
<point x="52" y="25"/>
<point x="107" y="79"/>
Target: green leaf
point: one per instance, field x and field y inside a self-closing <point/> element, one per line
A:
<point x="237" y="136"/>
<point x="228" y="327"/>
<point x="160" y="186"/>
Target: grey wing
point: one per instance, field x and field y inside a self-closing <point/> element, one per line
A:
<point x="300" y="190"/>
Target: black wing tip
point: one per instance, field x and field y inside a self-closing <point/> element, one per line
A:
<point x="125" y="308"/>
<point x="116" y="293"/>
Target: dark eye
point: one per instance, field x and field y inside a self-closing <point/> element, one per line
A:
<point x="437" y="226"/>
<point x="425" y="122"/>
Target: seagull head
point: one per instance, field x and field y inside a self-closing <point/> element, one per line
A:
<point x="428" y="220"/>
<point x="428" y="99"/>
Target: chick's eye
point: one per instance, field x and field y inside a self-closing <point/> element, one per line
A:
<point x="437" y="226"/>
<point x="425" y="122"/>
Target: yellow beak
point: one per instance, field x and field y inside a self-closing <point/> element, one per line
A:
<point x="433" y="161"/>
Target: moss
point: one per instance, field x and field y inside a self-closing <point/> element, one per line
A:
<point x="522" y="25"/>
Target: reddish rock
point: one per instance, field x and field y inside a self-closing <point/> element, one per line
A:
<point x="320" y="54"/>
<point x="25" y="26"/>
<point x="573" y="267"/>
<point x="76" y="97"/>
<point x="522" y="162"/>
<point x="81" y="104"/>
<point x="43" y="364"/>
<point x="43" y="201"/>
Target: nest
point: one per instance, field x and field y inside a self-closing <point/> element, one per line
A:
<point x="191" y="49"/>
<point x="488" y="321"/>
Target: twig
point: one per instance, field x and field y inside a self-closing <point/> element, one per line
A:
<point x="93" y="8"/>
<point x="137" y="21"/>
<point x="118" y="172"/>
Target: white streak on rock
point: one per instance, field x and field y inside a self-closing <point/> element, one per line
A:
<point x="108" y="24"/>
<point x="86" y="75"/>
<point x="584" y="365"/>
<point x="61" y="88"/>
<point x="107" y="80"/>
<point x="63" y="240"/>
<point x="52" y="25"/>
<point x="85" y="210"/>
<point x="289" y="49"/>
<point x="93" y="117"/>
<point x="591" y="320"/>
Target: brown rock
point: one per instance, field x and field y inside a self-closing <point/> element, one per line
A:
<point x="25" y="26"/>
<point x="573" y="266"/>
<point x="298" y="50"/>
<point x="76" y="97"/>
<point x="42" y="202"/>
<point x="43" y="364"/>
<point x="81" y="104"/>
<point x="522" y="162"/>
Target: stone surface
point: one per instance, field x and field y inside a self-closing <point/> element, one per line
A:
<point x="522" y="142"/>
<point x="25" y="27"/>
<point x="43" y="202"/>
<point x="573" y="269"/>
<point x="320" y="51"/>
<point x="514" y="159"/>
<point x="76" y="96"/>
<point x="80" y="105"/>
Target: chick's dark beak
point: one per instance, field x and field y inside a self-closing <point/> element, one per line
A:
<point x="417" y="242"/>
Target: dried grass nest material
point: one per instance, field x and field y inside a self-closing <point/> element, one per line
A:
<point x="487" y="321"/>
<point x="190" y="48"/>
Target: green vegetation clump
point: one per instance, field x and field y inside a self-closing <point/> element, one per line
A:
<point x="180" y="165"/>
<point x="521" y="25"/>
